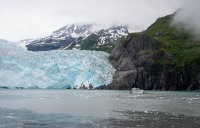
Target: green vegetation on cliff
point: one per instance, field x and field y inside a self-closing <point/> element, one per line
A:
<point x="91" y="43"/>
<point x="160" y="58"/>
<point x="179" y="43"/>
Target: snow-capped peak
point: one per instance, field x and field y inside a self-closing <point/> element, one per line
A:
<point x="74" y="30"/>
<point x="74" y="36"/>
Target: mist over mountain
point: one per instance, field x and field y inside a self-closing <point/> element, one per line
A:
<point x="28" y="19"/>
<point x="160" y="58"/>
<point x="188" y="18"/>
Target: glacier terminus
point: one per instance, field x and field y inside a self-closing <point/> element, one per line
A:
<point x="20" y="68"/>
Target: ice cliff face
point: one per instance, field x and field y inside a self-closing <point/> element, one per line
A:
<point x="53" y="69"/>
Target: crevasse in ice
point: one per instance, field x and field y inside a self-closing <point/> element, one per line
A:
<point x="52" y="69"/>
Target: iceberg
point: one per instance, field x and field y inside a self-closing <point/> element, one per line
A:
<point x="20" y="68"/>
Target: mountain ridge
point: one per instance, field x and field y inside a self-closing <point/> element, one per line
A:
<point x="73" y="36"/>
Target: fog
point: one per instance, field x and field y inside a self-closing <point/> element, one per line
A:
<point x="24" y="19"/>
<point x="188" y="18"/>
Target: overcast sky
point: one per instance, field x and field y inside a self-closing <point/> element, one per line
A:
<point x="22" y="19"/>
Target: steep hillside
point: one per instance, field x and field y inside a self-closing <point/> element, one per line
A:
<point x="178" y="43"/>
<point x="160" y="58"/>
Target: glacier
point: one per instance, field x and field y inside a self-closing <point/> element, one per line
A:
<point x="20" y="68"/>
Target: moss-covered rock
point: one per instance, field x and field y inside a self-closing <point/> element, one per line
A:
<point x="160" y="58"/>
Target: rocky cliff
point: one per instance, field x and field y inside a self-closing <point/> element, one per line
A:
<point x="159" y="58"/>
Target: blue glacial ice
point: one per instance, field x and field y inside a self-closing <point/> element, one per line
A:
<point x="52" y="69"/>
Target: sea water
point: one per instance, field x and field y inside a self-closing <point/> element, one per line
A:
<point x="98" y="109"/>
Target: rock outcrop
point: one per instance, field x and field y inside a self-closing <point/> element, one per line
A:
<point x="141" y="62"/>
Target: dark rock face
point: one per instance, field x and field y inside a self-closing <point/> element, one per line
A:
<point x="136" y="60"/>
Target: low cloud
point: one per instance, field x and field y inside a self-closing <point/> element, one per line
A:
<point x="21" y="19"/>
<point x="188" y="18"/>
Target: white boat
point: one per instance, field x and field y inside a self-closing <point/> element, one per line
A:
<point x="136" y="90"/>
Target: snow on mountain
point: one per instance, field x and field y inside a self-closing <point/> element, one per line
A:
<point x="62" y="38"/>
<point x="53" y="69"/>
<point x="111" y="34"/>
<point x="73" y="36"/>
<point x="73" y="30"/>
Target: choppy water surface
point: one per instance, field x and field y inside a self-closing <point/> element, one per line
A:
<point x="98" y="109"/>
